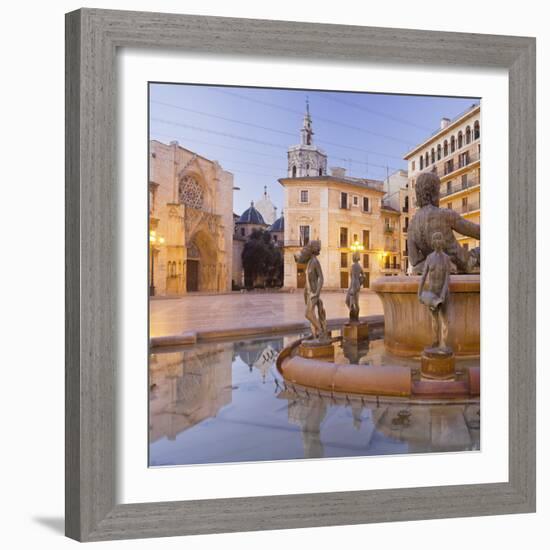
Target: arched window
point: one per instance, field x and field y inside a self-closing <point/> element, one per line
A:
<point x="476" y="129"/>
<point x="459" y="140"/>
<point x="452" y="144"/>
<point x="445" y="148"/>
<point x="439" y="152"/>
<point x="421" y="162"/>
<point x="433" y="155"/>
<point x="307" y="169"/>
<point x="320" y="171"/>
<point x="468" y="135"/>
<point x="427" y="159"/>
<point x="294" y="171"/>
<point x="193" y="251"/>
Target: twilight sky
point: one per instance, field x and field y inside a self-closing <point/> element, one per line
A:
<point x="248" y="130"/>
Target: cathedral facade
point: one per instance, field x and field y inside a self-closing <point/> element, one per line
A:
<point x="190" y="222"/>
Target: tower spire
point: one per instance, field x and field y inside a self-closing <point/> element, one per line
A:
<point x="307" y="129"/>
<point x="306" y="159"/>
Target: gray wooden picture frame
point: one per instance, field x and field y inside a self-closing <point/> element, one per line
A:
<point x="92" y="39"/>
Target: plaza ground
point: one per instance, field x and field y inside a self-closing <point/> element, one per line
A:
<point x="199" y="312"/>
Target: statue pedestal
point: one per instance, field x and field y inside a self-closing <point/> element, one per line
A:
<point x="313" y="349"/>
<point x="407" y="322"/>
<point x="437" y="364"/>
<point x="355" y="331"/>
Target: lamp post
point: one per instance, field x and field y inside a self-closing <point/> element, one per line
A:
<point x="153" y="239"/>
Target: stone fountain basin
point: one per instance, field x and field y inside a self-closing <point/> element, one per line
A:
<point x="407" y="323"/>
<point x="367" y="379"/>
<point x="383" y="381"/>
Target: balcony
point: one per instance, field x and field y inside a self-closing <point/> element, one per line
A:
<point x="443" y="170"/>
<point x="388" y="229"/>
<point x="470" y="207"/>
<point x="405" y="209"/>
<point x="293" y="243"/>
<point x="458" y="187"/>
<point x="405" y="228"/>
<point x="460" y="163"/>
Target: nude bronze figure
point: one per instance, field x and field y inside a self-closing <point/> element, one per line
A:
<point x="428" y="219"/>
<point x="433" y="291"/>
<point x="315" y="311"/>
<point x="356" y="282"/>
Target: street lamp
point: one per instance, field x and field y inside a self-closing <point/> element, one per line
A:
<point x="357" y="247"/>
<point x="384" y="256"/>
<point x="153" y="240"/>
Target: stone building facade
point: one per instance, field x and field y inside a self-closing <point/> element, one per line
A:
<point x="454" y="153"/>
<point x="237" y="275"/>
<point x="397" y="199"/>
<point x="338" y="210"/>
<point x="190" y="222"/>
<point x="277" y="230"/>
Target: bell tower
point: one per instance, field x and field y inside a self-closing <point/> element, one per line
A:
<point x="306" y="159"/>
<point x="307" y="129"/>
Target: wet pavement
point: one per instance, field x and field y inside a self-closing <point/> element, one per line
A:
<point x="198" y="312"/>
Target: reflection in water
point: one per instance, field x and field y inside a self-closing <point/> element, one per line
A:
<point x="226" y="402"/>
<point x="308" y="414"/>
<point x="186" y="388"/>
<point x="355" y="351"/>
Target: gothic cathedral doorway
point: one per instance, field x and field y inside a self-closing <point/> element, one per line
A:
<point x="192" y="279"/>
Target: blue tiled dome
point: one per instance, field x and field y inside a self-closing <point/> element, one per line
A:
<point x="278" y="225"/>
<point x="251" y="215"/>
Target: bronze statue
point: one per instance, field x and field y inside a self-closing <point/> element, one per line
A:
<point x="433" y="291"/>
<point x="312" y="291"/>
<point x="356" y="282"/>
<point x="428" y="219"/>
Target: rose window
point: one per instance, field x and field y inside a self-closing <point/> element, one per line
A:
<point x="191" y="193"/>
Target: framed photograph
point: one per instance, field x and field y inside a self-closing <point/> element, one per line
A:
<point x="279" y="309"/>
